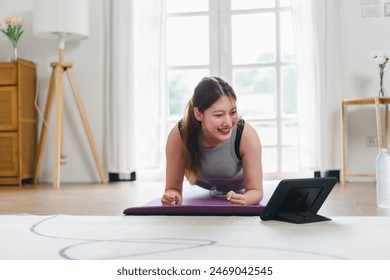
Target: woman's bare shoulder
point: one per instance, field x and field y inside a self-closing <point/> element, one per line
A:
<point x="174" y="137"/>
<point x="250" y="138"/>
<point x="250" y="131"/>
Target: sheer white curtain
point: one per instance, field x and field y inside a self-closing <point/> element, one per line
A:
<point x="316" y="26"/>
<point x="133" y="87"/>
<point x="119" y="72"/>
<point x="150" y="109"/>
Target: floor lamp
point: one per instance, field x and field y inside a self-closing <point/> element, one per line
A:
<point x="62" y="20"/>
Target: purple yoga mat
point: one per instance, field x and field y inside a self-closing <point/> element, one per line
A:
<point x="198" y="202"/>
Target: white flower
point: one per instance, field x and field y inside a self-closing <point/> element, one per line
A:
<point x="380" y="57"/>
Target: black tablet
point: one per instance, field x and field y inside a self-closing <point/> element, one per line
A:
<point x="298" y="200"/>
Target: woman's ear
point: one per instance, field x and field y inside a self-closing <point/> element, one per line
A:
<point x="198" y="115"/>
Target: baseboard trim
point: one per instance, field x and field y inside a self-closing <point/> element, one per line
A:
<point x="119" y="177"/>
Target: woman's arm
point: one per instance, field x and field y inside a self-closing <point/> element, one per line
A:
<point x="250" y="149"/>
<point x="174" y="169"/>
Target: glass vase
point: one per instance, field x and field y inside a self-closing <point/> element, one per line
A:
<point x="381" y="89"/>
<point x="14" y="54"/>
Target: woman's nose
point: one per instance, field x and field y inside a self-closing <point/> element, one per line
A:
<point x="227" y="120"/>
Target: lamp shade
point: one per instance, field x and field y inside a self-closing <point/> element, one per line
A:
<point x="68" y="19"/>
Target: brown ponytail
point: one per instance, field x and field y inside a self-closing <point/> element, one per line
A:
<point x="209" y="90"/>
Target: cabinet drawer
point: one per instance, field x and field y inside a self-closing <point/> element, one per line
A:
<point x="8" y="73"/>
<point x="8" y="108"/>
<point x="9" y="154"/>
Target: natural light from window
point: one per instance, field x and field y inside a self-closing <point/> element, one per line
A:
<point x="249" y="43"/>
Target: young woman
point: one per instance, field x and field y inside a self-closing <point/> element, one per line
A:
<point x="214" y="148"/>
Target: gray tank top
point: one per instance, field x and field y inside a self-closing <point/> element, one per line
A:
<point x="221" y="167"/>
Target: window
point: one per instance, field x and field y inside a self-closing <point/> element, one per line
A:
<point x="249" y="43"/>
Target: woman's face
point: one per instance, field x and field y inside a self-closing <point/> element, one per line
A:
<point x="217" y="121"/>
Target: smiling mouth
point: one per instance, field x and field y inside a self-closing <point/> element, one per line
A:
<point x="224" y="130"/>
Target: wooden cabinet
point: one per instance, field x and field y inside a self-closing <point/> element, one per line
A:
<point x="18" y="121"/>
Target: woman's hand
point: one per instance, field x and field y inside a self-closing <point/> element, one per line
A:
<point x="171" y="198"/>
<point x="250" y="197"/>
<point x="236" y="198"/>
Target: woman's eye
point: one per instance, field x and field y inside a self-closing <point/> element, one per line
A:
<point x="218" y="116"/>
<point x="233" y="113"/>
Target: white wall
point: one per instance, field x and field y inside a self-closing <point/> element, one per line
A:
<point x="359" y="78"/>
<point x="361" y="35"/>
<point x="87" y="57"/>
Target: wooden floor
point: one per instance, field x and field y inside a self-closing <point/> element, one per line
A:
<point x="354" y="199"/>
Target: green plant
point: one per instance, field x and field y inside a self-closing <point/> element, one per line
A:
<point x="13" y="29"/>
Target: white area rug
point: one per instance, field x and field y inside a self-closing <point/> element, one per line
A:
<point x="25" y="237"/>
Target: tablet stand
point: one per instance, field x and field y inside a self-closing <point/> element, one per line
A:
<point x="301" y="217"/>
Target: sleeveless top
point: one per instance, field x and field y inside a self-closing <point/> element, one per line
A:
<point x="222" y="166"/>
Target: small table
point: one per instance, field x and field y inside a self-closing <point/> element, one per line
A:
<point x="382" y="143"/>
